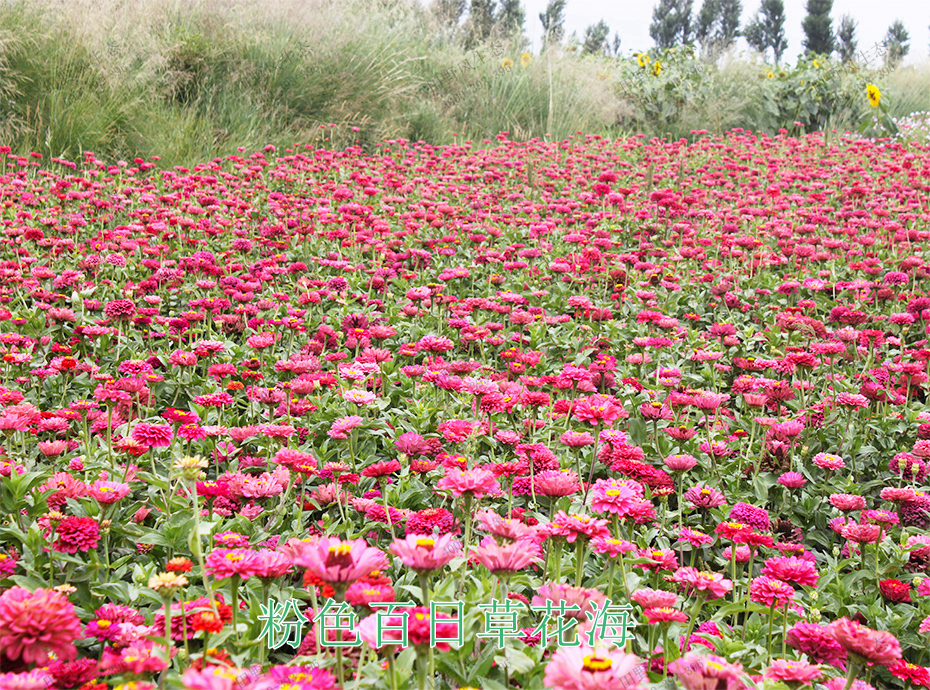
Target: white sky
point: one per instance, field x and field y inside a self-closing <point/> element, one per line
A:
<point x="631" y="21"/>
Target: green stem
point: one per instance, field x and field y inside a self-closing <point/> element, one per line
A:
<point x="768" y="646"/>
<point x="579" y="563"/>
<point x="391" y="673"/>
<point x="424" y="587"/>
<point x="695" y="612"/>
<point x="851" y="675"/>
<point x="168" y="629"/>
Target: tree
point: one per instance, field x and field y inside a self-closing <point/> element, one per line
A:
<point x="897" y="44"/>
<point x="449" y="12"/>
<point x="818" y="27"/>
<point x="846" y="38"/>
<point x="480" y="22"/>
<point x="671" y="23"/>
<point x="615" y="45"/>
<point x="718" y="24"/>
<point x="511" y="17"/>
<point x="553" y="20"/>
<point x="595" y="39"/>
<point x="767" y="29"/>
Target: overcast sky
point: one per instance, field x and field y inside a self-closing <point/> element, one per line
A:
<point x="631" y="21"/>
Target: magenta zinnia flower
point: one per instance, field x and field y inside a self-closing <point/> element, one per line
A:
<point x="36" y="625"/>
<point x="791" y="569"/>
<point x="815" y="641"/>
<point x="153" y="434"/>
<point x="615" y="496"/>
<point x="770" y="592"/>
<point x="77" y="534"/>
<point x="223" y="563"/>
<point x="586" y="668"/>
<point x="714" y="585"/>
<point x="574" y="526"/>
<point x="870" y="645"/>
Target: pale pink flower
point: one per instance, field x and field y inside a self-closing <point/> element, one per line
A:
<point x="426" y="553"/>
<point x="476" y="482"/>
<point x="335" y="561"/>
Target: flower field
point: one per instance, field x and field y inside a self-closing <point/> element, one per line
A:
<point x="583" y="415"/>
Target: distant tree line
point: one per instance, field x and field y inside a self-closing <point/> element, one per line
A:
<point x="714" y="28"/>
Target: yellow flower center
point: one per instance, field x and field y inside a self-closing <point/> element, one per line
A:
<point x="595" y="663"/>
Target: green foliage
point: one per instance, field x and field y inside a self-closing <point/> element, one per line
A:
<point x="818" y="27"/>
<point x="595" y="41"/>
<point x="553" y="20"/>
<point x="767" y="29"/>
<point x="511" y="18"/>
<point x="671" y="23"/>
<point x="846" y="38"/>
<point x="897" y="44"/>
<point x="718" y="25"/>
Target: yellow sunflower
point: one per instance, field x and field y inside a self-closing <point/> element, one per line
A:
<point x="875" y="96"/>
<point x="507" y="63"/>
<point x="642" y="59"/>
<point x="657" y="68"/>
<point x="526" y="59"/>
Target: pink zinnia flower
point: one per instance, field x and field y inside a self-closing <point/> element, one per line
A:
<point x="34" y="626"/>
<point x="870" y="645"/>
<point x="615" y="496"/>
<point x="703" y="497"/>
<point x="108" y="492"/>
<point x="575" y="525"/>
<point x="770" y="592"/>
<point x="411" y="443"/>
<point x="827" y="461"/>
<point x="654" y="598"/>
<point x="792" y="480"/>
<point x="154" y="435"/>
<point x="271" y="564"/>
<point x="577" y="599"/>
<point x="211" y="678"/>
<point x="77" y="534"/>
<point x="342" y="426"/>
<point x="507" y="558"/>
<point x="223" y="563"/>
<point x="665" y="615"/>
<point x="817" y="643"/>
<point x="791" y="569"/>
<point x="476" y="482"/>
<point x="335" y="561"/>
<point x="586" y="668"/>
<point x="714" y="585"/>
<point x="509" y="529"/>
<point x="847" y="502"/>
<point x="862" y="534"/>
<point x="577" y="439"/>
<point x="793" y="671"/>
<point x="425" y="553"/>
<point x="598" y="409"/>
<point x="705" y="672"/>
<point x="553" y="483"/>
<point x="680" y="463"/>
